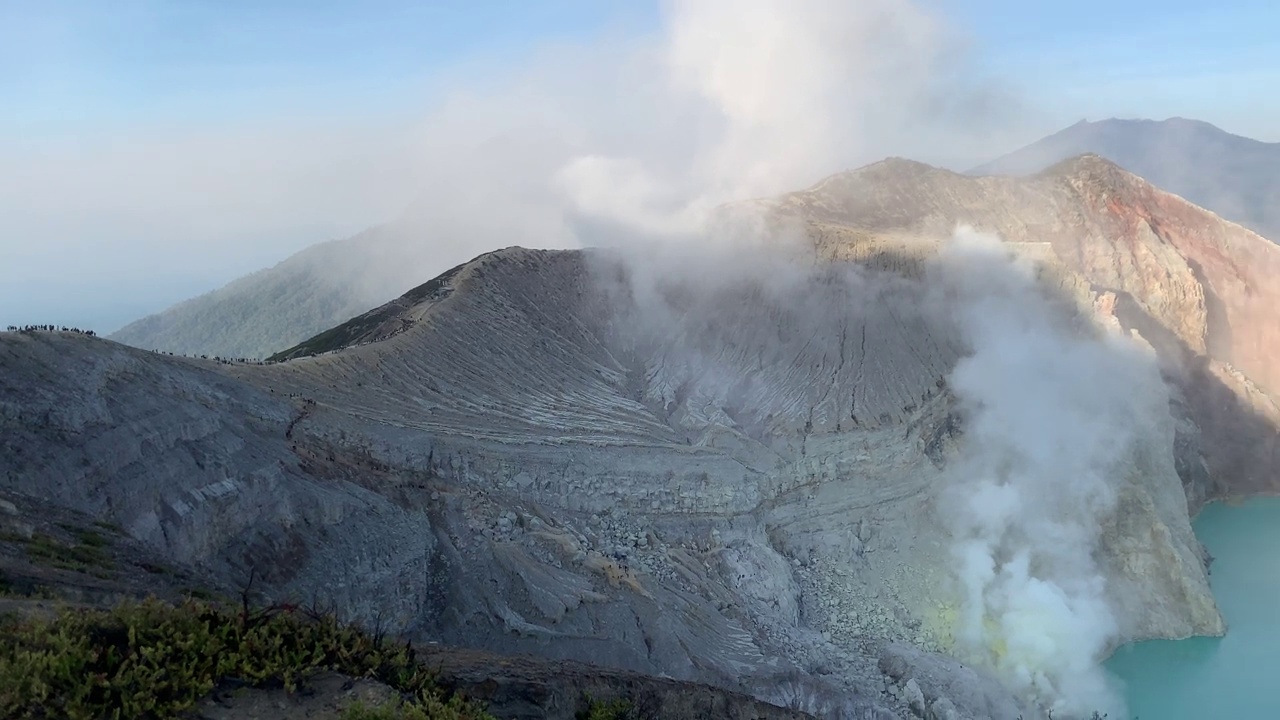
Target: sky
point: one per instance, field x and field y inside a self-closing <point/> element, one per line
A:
<point x="154" y="150"/>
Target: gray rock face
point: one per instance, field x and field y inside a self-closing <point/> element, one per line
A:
<point x="198" y="466"/>
<point x="738" y="501"/>
<point x="1199" y="289"/>
<point x="937" y="687"/>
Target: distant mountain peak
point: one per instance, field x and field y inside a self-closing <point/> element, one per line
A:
<point x="1236" y="177"/>
<point x="895" y="162"/>
<point x="1084" y="164"/>
<point x="405" y="311"/>
<point x="890" y="169"/>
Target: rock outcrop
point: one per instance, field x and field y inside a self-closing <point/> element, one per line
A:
<point x="1200" y="289"/>
<point x="198" y="466"/>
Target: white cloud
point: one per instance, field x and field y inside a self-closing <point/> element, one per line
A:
<point x="727" y="99"/>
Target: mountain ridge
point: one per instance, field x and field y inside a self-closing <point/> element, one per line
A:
<point x="727" y="478"/>
<point x="269" y="311"/>
<point x="1235" y="176"/>
<point x="308" y="292"/>
<point x="1193" y="326"/>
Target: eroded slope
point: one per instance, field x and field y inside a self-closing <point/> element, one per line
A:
<point x="1200" y="289"/>
<point x="730" y="481"/>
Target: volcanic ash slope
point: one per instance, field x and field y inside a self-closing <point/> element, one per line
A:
<point x="747" y="479"/>
<point x="764" y="462"/>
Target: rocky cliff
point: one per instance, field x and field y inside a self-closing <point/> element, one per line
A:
<point x="736" y="482"/>
<point x="1201" y="289"/>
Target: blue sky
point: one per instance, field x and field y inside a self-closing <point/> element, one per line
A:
<point x="68" y="67"/>
<point x="152" y="150"/>
<point x="1213" y="61"/>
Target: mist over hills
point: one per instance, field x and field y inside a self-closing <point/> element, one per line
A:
<point x="738" y="464"/>
<point x="310" y="291"/>
<point x="323" y="286"/>
<point x="1235" y="177"/>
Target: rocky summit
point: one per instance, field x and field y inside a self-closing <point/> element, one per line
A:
<point x="737" y="480"/>
<point x="1235" y="177"/>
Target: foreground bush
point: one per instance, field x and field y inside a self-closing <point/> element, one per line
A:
<point x="155" y="660"/>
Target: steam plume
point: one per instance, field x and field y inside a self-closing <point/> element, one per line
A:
<point x="725" y="100"/>
<point x="779" y="93"/>
<point x="1052" y="418"/>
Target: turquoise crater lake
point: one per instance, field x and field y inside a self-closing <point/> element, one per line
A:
<point x="1237" y="676"/>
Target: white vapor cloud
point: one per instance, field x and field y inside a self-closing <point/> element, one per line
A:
<point x="1053" y="415"/>
<point x="648" y="132"/>
<point x="1055" y="409"/>
<point x="798" y="85"/>
<point x="777" y="96"/>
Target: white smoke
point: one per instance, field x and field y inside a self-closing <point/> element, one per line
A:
<point x="773" y="95"/>
<point x="1052" y="416"/>
<point x="646" y="126"/>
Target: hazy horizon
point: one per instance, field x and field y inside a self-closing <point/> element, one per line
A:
<point x="154" y="152"/>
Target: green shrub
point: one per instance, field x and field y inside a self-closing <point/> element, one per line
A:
<point x="86" y="557"/>
<point x="600" y="710"/>
<point x="199" y="593"/>
<point x="90" y="538"/>
<point x="152" y="659"/>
